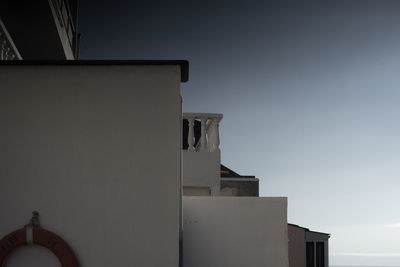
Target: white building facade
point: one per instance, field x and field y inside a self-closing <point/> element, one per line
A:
<point x="80" y="143"/>
<point x="220" y="230"/>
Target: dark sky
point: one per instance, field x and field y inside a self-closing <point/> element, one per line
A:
<point x="309" y="93"/>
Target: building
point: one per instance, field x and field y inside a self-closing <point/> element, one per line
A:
<point x="307" y="248"/>
<point x="219" y="227"/>
<point x="39" y="30"/>
<point x="80" y="144"/>
<point x="204" y="175"/>
<point x="82" y="147"/>
<point x="201" y="177"/>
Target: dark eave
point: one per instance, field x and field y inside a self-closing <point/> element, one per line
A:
<point x="321" y="233"/>
<point x="308" y="230"/>
<point x="228" y="173"/>
<point x="184" y="64"/>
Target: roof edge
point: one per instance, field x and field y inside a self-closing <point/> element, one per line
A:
<point x="184" y="64"/>
<point x="308" y="230"/>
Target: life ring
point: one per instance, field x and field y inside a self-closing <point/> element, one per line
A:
<point x="32" y="234"/>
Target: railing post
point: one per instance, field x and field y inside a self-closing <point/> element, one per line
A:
<point x="203" y="138"/>
<point x="209" y="131"/>
<point x="213" y="135"/>
<point x="191" y="134"/>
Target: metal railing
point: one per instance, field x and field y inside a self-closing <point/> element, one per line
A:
<point x="64" y="16"/>
<point x="8" y="51"/>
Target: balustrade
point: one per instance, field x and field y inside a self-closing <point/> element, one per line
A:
<point x="209" y="138"/>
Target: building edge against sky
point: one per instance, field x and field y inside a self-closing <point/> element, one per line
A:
<point x="72" y="135"/>
<point x="195" y="160"/>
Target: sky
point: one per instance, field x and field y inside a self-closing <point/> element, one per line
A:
<point x="310" y="97"/>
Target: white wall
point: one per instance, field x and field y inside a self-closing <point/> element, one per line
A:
<point x="297" y="246"/>
<point x="96" y="150"/>
<point x="202" y="169"/>
<point x="235" y="232"/>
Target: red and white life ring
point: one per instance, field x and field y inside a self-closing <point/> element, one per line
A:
<point x="35" y="235"/>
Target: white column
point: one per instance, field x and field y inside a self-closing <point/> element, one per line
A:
<point x="213" y="135"/>
<point x="203" y="138"/>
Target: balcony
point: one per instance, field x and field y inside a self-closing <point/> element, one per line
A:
<point x="202" y="131"/>
<point x="42" y="29"/>
<point x="67" y="24"/>
<point x="8" y="51"/>
<point x="201" y="154"/>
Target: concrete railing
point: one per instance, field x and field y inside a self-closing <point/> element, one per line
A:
<point x="209" y="138"/>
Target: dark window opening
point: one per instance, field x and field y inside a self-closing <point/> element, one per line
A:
<point x="310" y="254"/>
<point x="320" y="254"/>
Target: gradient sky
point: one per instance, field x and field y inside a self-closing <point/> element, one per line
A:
<point x="310" y="97"/>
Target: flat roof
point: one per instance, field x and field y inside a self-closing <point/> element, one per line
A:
<point x="184" y="64"/>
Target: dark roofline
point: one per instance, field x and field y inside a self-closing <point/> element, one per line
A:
<point x="308" y="230"/>
<point x="228" y="173"/>
<point x="295" y="225"/>
<point x="321" y="233"/>
<point x="184" y="64"/>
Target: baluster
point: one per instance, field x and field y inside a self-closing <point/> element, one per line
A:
<point x="191" y="134"/>
<point x="203" y="138"/>
<point x="213" y="135"/>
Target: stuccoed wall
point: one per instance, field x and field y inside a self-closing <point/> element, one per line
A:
<point x="202" y="169"/>
<point x="297" y="246"/>
<point x="239" y="187"/>
<point x="96" y="150"/>
<point x="235" y="232"/>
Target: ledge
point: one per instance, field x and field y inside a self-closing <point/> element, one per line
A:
<point x="184" y="64"/>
